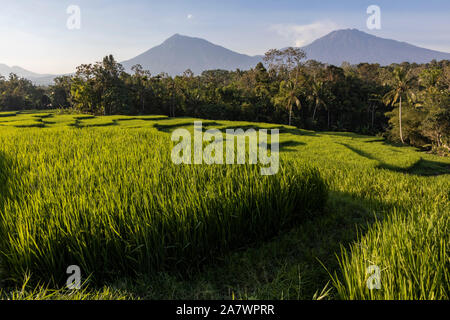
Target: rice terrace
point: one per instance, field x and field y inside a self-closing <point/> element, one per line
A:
<point x="101" y="192"/>
<point x="274" y="157"/>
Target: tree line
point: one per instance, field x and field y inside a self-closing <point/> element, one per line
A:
<point x="407" y="103"/>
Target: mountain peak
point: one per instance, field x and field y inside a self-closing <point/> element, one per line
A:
<point x="5" y="70"/>
<point x="350" y="30"/>
<point x="180" y="38"/>
<point x="182" y="42"/>
<point x="179" y="53"/>
<point x="347" y="33"/>
<point x="176" y="36"/>
<point x="355" y="46"/>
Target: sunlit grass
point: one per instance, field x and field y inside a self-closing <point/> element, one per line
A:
<point x="388" y="206"/>
<point x="112" y="202"/>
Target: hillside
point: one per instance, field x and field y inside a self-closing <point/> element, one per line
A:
<point x="179" y="53"/>
<point x="385" y="208"/>
<point x="355" y="46"/>
<point x="39" y="79"/>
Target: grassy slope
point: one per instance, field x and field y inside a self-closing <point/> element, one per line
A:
<point x="388" y="206"/>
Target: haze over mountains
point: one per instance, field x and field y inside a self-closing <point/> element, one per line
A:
<point x="21" y="72"/>
<point x="354" y="46"/>
<point x="179" y="53"/>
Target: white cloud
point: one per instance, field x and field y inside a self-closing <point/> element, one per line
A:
<point x="190" y="16"/>
<point x="300" y="35"/>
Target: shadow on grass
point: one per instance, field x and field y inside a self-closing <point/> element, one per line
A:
<point x="376" y="140"/>
<point x="422" y="167"/>
<point x="390" y="143"/>
<point x="79" y="123"/>
<point x="345" y="135"/>
<point x="358" y="151"/>
<point x="100" y="125"/>
<point x="146" y="118"/>
<point x="34" y="125"/>
<point x="387" y="143"/>
<point x="283" y="145"/>
<point x="286" y="145"/>
<point x="168" y="128"/>
<point x="76" y="124"/>
<point x="282" y="129"/>
<point x="287" y="266"/>
<point x="43" y="116"/>
<point x="84" y="117"/>
<point x="5" y="173"/>
<point x="8" y="114"/>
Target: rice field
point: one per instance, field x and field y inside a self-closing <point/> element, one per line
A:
<point x="102" y="193"/>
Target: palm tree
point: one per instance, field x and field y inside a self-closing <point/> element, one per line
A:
<point x="287" y="97"/>
<point x="402" y="88"/>
<point x="316" y="95"/>
<point x="285" y="62"/>
<point x="374" y="100"/>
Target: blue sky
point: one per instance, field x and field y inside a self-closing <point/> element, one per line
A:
<point x="34" y="34"/>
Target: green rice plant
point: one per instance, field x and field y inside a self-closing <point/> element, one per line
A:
<point x="112" y="202"/>
<point x="104" y="181"/>
<point x="410" y="248"/>
<point x="41" y="292"/>
<point x="7" y="114"/>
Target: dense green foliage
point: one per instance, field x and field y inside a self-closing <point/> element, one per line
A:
<point x="19" y="94"/>
<point x="407" y="103"/>
<point x="388" y="206"/>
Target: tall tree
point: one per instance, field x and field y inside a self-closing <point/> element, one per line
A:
<point x="402" y="89"/>
<point x="287" y="63"/>
<point x="60" y="92"/>
<point x="287" y="97"/>
<point x="317" y="96"/>
<point x="139" y="81"/>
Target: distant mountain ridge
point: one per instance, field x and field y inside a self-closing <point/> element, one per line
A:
<point x="354" y="46"/>
<point x="179" y="53"/>
<point x="39" y="79"/>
